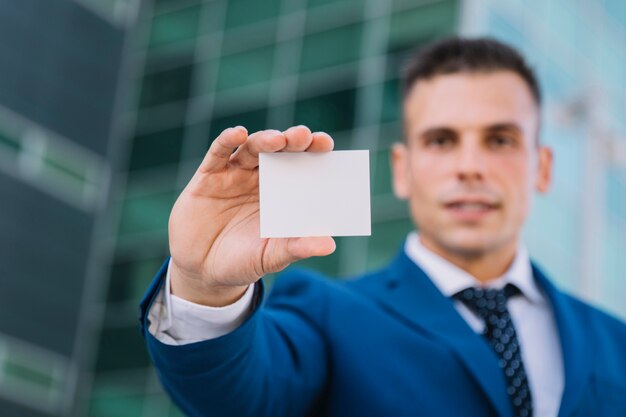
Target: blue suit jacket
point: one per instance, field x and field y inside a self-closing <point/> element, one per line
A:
<point x="386" y="344"/>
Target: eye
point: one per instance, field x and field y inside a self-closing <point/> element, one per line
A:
<point x="440" y="141"/>
<point x="501" y="141"/>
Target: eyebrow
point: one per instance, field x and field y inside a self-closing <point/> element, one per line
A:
<point x="510" y="126"/>
<point x="504" y="126"/>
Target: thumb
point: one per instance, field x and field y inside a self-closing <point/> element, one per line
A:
<point x="294" y="249"/>
<point x="305" y="247"/>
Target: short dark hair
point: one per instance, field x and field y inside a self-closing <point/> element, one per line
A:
<point x="457" y="55"/>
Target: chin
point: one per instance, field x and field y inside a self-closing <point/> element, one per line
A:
<point x="467" y="243"/>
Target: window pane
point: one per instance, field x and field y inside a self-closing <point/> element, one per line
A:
<point x="115" y="402"/>
<point x="167" y="86"/>
<point x="9" y="144"/>
<point x="390" y="111"/>
<point x="146" y="213"/>
<point x="242" y="12"/>
<point x="121" y="348"/>
<point x="252" y="120"/>
<point x="330" y="112"/>
<point x="382" y="174"/>
<point x="386" y="240"/>
<point x="175" y="26"/>
<point x="330" y="48"/>
<point x="130" y="279"/>
<point x="422" y="23"/>
<point x="245" y="68"/>
<point x="155" y="149"/>
<point x="315" y="3"/>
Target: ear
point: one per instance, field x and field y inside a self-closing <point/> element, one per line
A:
<point x="544" y="169"/>
<point x="400" y="168"/>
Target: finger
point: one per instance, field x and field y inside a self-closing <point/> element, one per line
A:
<point x="285" y="251"/>
<point x="222" y="148"/>
<point x="321" y="142"/>
<point x="305" y="247"/>
<point x="247" y="156"/>
<point x="298" y="138"/>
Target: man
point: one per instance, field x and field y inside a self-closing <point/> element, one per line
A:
<point x="461" y="323"/>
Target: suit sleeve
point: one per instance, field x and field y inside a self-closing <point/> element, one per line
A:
<point x="274" y="364"/>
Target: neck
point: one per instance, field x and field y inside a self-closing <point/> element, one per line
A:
<point x="485" y="266"/>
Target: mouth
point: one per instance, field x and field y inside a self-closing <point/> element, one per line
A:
<point x="471" y="210"/>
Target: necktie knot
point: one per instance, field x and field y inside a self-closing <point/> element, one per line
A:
<point x="487" y="302"/>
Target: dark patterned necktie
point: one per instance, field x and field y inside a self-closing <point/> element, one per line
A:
<point x="490" y="305"/>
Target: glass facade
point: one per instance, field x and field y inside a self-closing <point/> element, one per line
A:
<point x="60" y="64"/>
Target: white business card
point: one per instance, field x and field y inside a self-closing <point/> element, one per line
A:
<point x="314" y="194"/>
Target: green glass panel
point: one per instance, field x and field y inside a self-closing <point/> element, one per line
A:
<point x="175" y="26"/>
<point x="22" y="373"/>
<point x="329" y="112"/>
<point x="146" y="213"/>
<point x="9" y="143"/>
<point x="391" y="109"/>
<point x="330" y="48"/>
<point x="382" y="173"/>
<point x="62" y="175"/>
<point x="253" y="120"/>
<point x="115" y="403"/>
<point x="243" y="12"/>
<point x="409" y="28"/>
<point x="166" y="86"/>
<point x="387" y="238"/>
<point x="67" y="165"/>
<point x="121" y="348"/>
<point x="131" y="278"/>
<point x="160" y="6"/>
<point x="315" y="3"/>
<point x="245" y="68"/>
<point x="156" y="149"/>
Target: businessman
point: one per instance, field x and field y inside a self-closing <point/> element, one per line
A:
<point x="460" y="323"/>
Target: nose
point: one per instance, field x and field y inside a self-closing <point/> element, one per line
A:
<point x="470" y="164"/>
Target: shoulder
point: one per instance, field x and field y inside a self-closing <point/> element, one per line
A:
<point x="600" y="324"/>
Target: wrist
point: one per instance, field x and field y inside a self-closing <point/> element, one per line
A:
<point x="197" y="291"/>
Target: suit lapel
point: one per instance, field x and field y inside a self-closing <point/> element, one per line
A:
<point x="408" y="293"/>
<point x="575" y="346"/>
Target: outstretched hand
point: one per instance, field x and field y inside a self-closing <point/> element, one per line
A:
<point x="214" y="224"/>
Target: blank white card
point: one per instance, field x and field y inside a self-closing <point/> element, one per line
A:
<point x="314" y="194"/>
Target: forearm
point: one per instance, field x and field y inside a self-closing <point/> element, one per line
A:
<point x="272" y="356"/>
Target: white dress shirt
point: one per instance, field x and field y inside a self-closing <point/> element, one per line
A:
<point x="175" y="321"/>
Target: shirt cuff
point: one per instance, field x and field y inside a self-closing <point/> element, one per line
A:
<point x="176" y="321"/>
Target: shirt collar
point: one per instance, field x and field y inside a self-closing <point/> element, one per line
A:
<point x="450" y="279"/>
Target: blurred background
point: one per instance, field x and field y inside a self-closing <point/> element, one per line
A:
<point x="107" y="107"/>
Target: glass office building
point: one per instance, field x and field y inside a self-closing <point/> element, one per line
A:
<point x="202" y="66"/>
<point x="59" y="66"/>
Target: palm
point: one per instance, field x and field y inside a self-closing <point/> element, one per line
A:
<point x="214" y="225"/>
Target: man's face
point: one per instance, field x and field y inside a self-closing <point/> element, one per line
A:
<point x="471" y="160"/>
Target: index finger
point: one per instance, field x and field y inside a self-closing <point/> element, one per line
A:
<point x="221" y="149"/>
<point x="321" y="142"/>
